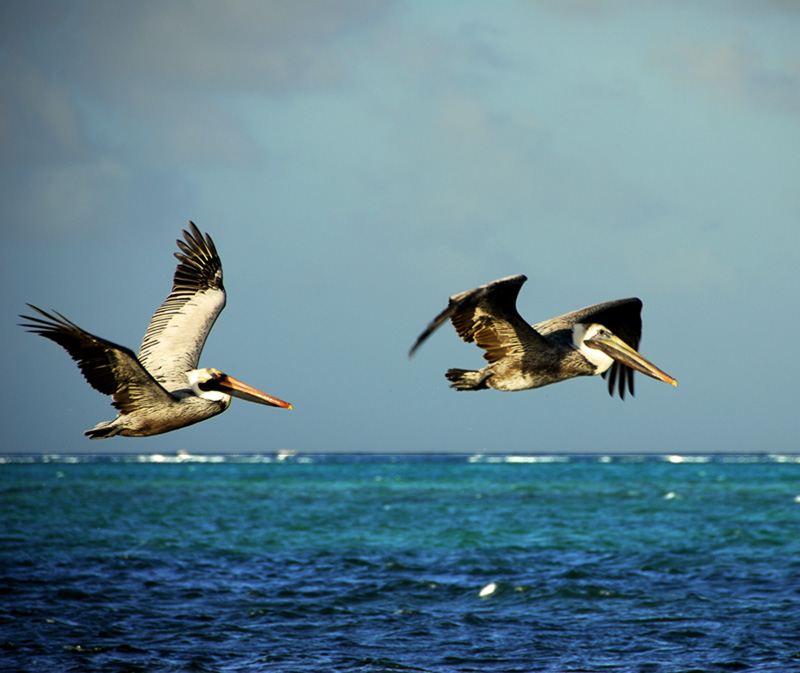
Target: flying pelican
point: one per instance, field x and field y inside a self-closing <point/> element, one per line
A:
<point x="599" y="339"/>
<point x="162" y="389"/>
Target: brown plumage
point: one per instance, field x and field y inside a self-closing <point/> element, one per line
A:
<point x="599" y="339"/>
<point x="161" y="389"/>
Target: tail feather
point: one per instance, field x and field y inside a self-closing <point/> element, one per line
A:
<point x="464" y="379"/>
<point x="103" y="430"/>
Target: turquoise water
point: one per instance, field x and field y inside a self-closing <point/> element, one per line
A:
<point x="400" y="564"/>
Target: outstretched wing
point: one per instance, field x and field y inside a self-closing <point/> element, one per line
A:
<point x="178" y="330"/>
<point x="623" y="317"/>
<point x="108" y="367"/>
<point x="488" y="316"/>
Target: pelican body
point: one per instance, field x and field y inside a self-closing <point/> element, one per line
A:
<point x="600" y="339"/>
<point x="162" y="389"/>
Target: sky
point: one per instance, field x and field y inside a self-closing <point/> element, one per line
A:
<point x="358" y="162"/>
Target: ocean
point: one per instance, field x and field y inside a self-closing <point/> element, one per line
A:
<point x="444" y="564"/>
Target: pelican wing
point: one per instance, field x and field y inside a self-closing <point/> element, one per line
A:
<point x="108" y="367"/>
<point x="623" y="317"/>
<point x="177" y="333"/>
<point x="488" y="316"/>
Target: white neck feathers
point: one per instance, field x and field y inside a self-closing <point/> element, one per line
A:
<point x="198" y="376"/>
<point x="580" y="333"/>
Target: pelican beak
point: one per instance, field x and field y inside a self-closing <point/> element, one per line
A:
<point x="618" y="350"/>
<point x="231" y="386"/>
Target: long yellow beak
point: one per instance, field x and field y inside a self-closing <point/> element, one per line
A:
<point x="617" y="349"/>
<point x="236" y="388"/>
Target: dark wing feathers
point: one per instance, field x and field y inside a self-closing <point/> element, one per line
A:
<point x="623" y="317"/>
<point x="200" y="266"/>
<point x="108" y="367"/>
<point x="625" y="375"/>
<point x="178" y="330"/>
<point x="488" y="316"/>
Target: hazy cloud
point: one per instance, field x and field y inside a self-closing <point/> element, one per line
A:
<point x="122" y="90"/>
<point x="733" y="69"/>
<point x="358" y="161"/>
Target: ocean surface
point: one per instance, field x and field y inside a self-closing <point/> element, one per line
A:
<point x="400" y="563"/>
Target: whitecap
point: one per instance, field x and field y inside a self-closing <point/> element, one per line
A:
<point x="488" y="590"/>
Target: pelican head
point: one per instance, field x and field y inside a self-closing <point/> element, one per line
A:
<point x="602" y="347"/>
<point x="215" y="386"/>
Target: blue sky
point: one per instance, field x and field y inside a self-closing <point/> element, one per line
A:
<point x="358" y="162"/>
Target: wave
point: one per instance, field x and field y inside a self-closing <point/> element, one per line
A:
<point x="183" y="456"/>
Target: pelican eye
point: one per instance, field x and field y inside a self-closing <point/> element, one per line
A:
<point x="210" y="384"/>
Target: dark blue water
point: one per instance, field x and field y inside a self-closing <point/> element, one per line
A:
<point x="400" y="564"/>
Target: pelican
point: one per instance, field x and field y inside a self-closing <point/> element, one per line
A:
<point x="600" y="339"/>
<point x="162" y="389"/>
